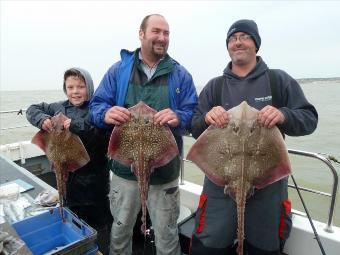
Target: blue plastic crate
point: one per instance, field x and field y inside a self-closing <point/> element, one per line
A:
<point x="47" y="234"/>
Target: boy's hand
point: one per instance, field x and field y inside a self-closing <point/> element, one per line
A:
<point x="67" y="123"/>
<point x="166" y="116"/>
<point x="117" y="115"/>
<point x="47" y="125"/>
<point x="217" y="117"/>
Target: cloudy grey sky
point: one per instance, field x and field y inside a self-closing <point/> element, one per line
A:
<point x="41" y="39"/>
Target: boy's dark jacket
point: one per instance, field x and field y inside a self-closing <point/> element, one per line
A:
<point x="88" y="185"/>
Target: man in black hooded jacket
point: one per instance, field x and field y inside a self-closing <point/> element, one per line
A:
<point x="268" y="211"/>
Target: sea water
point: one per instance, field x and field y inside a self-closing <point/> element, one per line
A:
<point x="308" y="172"/>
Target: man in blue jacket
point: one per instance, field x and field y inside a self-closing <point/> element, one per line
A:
<point x="150" y="75"/>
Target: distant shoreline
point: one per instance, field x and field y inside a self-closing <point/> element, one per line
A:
<point x="300" y="80"/>
<point x="307" y="80"/>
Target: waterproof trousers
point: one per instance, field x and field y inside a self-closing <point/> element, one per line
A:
<point x="163" y="206"/>
<point x="267" y="221"/>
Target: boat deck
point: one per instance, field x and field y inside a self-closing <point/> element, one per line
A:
<point x="9" y="171"/>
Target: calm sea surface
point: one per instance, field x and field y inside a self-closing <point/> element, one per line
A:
<point x="325" y="95"/>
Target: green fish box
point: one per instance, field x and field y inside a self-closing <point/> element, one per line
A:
<point x="47" y="234"/>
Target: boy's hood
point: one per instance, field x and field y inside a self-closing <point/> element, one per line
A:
<point x="88" y="82"/>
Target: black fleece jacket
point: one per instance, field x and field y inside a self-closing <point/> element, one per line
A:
<point x="301" y="117"/>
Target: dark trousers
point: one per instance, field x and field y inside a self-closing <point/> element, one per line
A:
<point x="197" y="248"/>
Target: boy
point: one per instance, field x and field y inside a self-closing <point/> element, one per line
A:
<point x="88" y="187"/>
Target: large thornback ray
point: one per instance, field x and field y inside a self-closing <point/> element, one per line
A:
<point x="143" y="145"/>
<point x="64" y="150"/>
<point x="240" y="157"/>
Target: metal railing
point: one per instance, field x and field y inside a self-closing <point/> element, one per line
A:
<point x="327" y="161"/>
<point x="324" y="159"/>
<point x="18" y="112"/>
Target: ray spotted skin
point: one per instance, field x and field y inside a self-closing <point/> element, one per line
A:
<point x="241" y="156"/>
<point x="143" y="145"/>
<point x="64" y="150"/>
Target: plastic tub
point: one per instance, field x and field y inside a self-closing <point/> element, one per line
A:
<point x="47" y="234"/>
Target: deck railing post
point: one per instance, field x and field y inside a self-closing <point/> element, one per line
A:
<point x="181" y="180"/>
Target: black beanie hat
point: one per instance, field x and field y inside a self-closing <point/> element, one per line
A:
<point x="247" y="26"/>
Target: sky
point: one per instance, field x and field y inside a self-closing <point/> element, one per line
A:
<point x="39" y="40"/>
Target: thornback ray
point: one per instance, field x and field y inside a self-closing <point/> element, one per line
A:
<point x="64" y="150"/>
<point x="142" y="145"/>
<point x="241" y="156"/>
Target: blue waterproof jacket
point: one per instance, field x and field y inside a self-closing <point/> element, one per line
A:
<point x="114" y="85"/>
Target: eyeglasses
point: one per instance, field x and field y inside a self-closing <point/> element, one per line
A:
<point x="241" y="38"/>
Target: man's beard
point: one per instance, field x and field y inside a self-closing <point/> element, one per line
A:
<point x="159" y="53"/>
